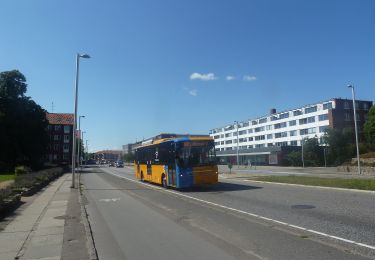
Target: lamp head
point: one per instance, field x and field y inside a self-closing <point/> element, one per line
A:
<point x="85" y="56"/>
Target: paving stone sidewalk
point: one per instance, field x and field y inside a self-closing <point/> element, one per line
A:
<point x="37" y="232"/>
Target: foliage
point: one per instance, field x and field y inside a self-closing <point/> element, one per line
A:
<point x="6" y="177"/>
<point x="294" y="158"/>
<point x="341" y="145"/>
<point x="129" y="157"/>
<point x="313" y="152"/>
<point x="369" y="128"/>
<point x="22" y="169"/>
<point x="23" y="123"/>
<point x="361" y="184"/>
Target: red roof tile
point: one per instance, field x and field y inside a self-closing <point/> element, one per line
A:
<point x="60" y="119"/>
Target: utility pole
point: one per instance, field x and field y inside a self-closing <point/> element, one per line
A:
<point x="303" y="160"/>
<point x="238" y="163"/>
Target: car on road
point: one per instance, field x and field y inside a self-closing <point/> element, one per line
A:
<point x="119" y="164"/>
<point x="111" y="164"/>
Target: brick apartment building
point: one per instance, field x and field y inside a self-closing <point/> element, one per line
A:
<point x="60" y="130"/>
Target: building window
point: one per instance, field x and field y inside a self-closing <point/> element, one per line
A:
<point x="242" y="132"/>
<point x="49" y="127"/>
<point x="327" y="106"/>
<point x="323" y="129"/>
<point x="268" y="127"/>
<point x="216" y="136"/>
<point x="297" y="113"/>
<point x="259" y="145"/>
<point x="311" y="119"/>
<point x="357" y="117"/>
<point x="323" y="117"/>
<point x="56" y="137"/>
<point x="251" y="139"/>
<point x="57" y="127"/>
<point x="66" y="148"/>
<point x="234" y="133"/>
<point x="250" y="147"/>
<point x="259" y="129"/>
<point x="66" y="129"/>
<point x="228" y="148"/>
<point x="66" y="138"/>
<point x="228" y="142"/>
<point x="260" y="137"/>
<point x="56" y="147"/>
<point x="346" y="105"/>
<point x="293" y="143"/>
<point x="347" y="117"/>
<point x="250" y="131"/>
<point x="262" y="120"/>
<point x="365" y="106"/>
<point x="280" y="125"/>
<point x="284" y="115"/>
<point x="222" y="136"/>
<point x="282" y="144"/>
<point x="311" y="109"/>
<point x="222" y="142"/>
<point x="293" y="123"/>
<point x="254" y="122"/>
<point x="303" y="132"/>
<point x="269" y="136"/>
<point x="281" y="134"/>
<point x="228" y="135"/>
<point x="245" y="124"/>
<point x="274" y="118"/>
<point x="293" y="133"/>
<point x="269" y="144"/>
<point x="311" y="130"/>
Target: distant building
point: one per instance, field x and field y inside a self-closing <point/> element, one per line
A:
<point x="108" y="155"/>
<point x="265" y="140"/>
<point x="60" y="131"/>
<point x="127" y="148"/>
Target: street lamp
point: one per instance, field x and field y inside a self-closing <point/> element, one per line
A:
<point x="80" y="142"/>
<point x="78" y="56"/>
<point x="355" y="128"/>
<point x="238" y="165"/>
<point x="81" y="145"/>
<point x="303" y="159"/>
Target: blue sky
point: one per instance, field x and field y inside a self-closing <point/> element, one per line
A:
<point x="162" y="66"/>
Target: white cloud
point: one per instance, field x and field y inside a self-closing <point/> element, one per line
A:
<point x="193" y="92"/>
<point x="249" y="78"/>
<point x="204" y="77"/>
<point x="230" y="78"/>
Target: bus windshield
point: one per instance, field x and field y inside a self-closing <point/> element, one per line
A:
<point x="195" y="153"/>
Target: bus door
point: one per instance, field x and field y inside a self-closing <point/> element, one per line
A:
<point x="172" y="174"/>
<point x="149" y="168"/>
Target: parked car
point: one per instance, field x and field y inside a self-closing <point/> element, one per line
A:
<point x="119" y="164"/>
<point x="111" y="164"/>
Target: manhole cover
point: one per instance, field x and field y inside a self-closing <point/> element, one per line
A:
<point x="303" y="207"/>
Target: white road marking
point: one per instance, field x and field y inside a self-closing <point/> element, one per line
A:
<point x="110" y="200"/>
<point x="248" y="213"/>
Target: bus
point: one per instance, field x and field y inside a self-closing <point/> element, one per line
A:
<point x="177" y="161"/>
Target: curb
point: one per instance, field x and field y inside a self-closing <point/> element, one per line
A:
<point x="85" y="220"/>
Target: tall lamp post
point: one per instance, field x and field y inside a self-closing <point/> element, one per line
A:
<point x="80" y="142"/>
<point x="78" y="56"/>
<point x="303" y="159"/>
<point x="81" y="155"/>
<point x="238" y="164"/>
<point x="355" y="128"/>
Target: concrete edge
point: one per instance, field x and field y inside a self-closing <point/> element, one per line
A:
<point x="302" y="185"/>
<point x="93" y="254"/>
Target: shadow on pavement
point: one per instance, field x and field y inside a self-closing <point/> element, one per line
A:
<point x="221" y="187"/>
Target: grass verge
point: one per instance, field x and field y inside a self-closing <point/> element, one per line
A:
<point x="6" y="177"/>
<point x="359" y="184"/>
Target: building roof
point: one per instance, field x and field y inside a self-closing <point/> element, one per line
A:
<point x="60" y="119"/>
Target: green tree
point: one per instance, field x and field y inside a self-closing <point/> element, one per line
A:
<point x="369" y="128"/>
<point x="313" y="152"/>
<point x="294" y="158"/>
<point x="129" y="157"/>
<point x="341" y="145"/>
<point x="23" y="123"/>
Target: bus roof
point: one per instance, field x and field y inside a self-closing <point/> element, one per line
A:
<point x="179" y="138"/>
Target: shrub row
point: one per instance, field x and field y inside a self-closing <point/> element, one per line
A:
<point x="26" y="184"/>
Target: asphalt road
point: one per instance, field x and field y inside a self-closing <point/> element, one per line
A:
<point x="232" y="220"/>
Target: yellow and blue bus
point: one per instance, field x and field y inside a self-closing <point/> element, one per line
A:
<point x="180" y="161"/>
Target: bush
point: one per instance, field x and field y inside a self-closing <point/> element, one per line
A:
<point x="19" y="170"/>
<point x="4" y="194"/>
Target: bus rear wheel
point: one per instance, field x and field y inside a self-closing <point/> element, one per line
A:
<point x="142" y="179"/>
<point x="164" y="181"/>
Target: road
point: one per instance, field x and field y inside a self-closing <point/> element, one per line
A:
<point x="233" y="220"/>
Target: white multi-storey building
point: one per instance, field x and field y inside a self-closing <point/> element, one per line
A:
<point x="261" y="136"/>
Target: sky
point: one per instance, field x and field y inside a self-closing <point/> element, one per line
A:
<point x="187" y="66"/>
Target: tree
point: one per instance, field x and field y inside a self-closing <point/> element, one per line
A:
<point x="313" y="152"/>
<point x="341" y="145"/>
<point x="23" y="123"/>
<point x="294" y="158"/>
<point x="369" y="128"/>
<point x="129" y="157"/>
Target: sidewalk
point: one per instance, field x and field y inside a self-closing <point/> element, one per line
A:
<point x="37" y="232"/>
